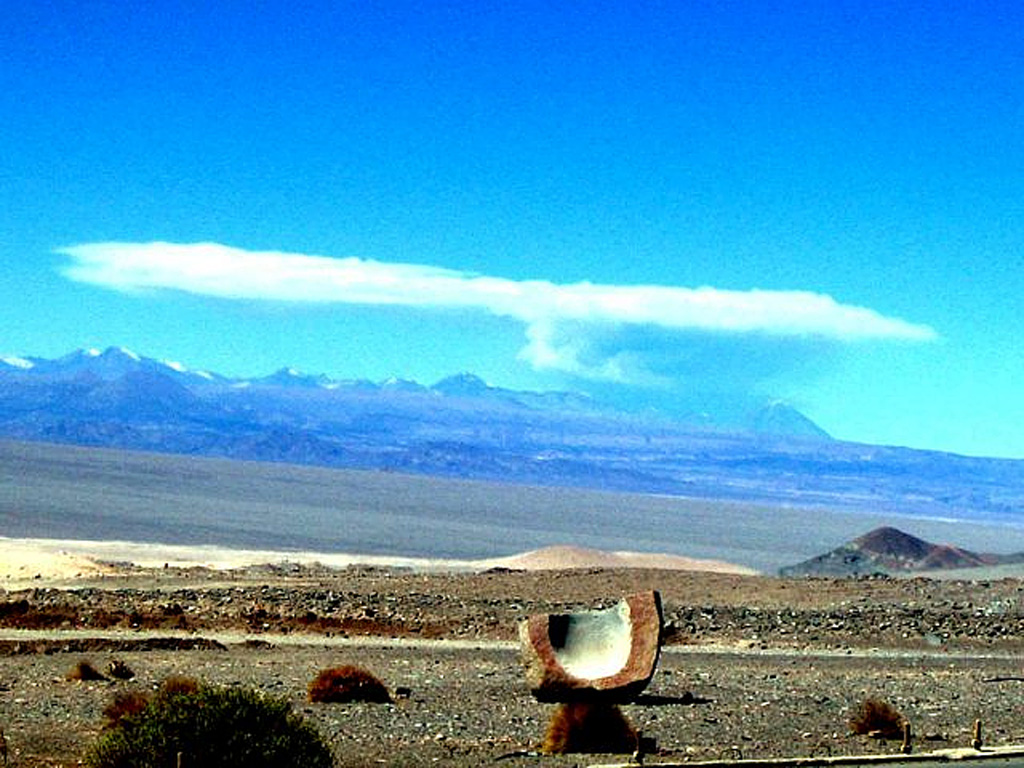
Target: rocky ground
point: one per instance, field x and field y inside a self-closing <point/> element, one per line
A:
<point x="752" y="667"/>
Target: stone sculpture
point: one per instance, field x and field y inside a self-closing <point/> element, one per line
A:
<point x="604" y="656"/>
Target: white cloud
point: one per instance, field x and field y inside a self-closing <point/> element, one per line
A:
<point x="544" y="307"/>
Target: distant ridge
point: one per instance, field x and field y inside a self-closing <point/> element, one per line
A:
<point x="464" y="427"/>
<point x="84" y="367"/>
<point x="888" y="550"/>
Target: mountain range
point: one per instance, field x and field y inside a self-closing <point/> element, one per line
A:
<point x="462" y="427"/>
<point x="121" y="364"/>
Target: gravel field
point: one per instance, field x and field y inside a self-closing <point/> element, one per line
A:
<point x="753" y="666"/>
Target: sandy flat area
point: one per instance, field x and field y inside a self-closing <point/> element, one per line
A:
<point x="27" y="560"/>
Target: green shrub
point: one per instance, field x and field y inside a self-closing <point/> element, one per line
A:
<point x="212" y="728"/>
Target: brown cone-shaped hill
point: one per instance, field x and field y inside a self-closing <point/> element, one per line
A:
<point x="893" y="544"/>
<point x="888" y="550"/>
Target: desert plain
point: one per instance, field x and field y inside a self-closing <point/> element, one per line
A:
<point x="752" y="666"/>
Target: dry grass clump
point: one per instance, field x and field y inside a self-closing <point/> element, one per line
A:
<point x="179" y="684"/>
<point x="124" y="704"/>
<point x="340" y="685"/>
<point x="84" y="671"/>
<point x="877" y="718"/>
<point x="587" y="727"/>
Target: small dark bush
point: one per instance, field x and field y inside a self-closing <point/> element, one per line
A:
<point x="347" y="684"/>
<point x="83" y="670"/>
<point x="586" y="727"/>
<point x="125" y="703"/>
<point x="875" y="717"/>
<point x="120" y="670"/>
<point x="210" y="726"/>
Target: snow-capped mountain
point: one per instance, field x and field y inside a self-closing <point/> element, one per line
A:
<point x="107" y="364"/>
<point x="462" y="390"/>
<point x="16" y="363"/>
<point x="291" y="377"/>
<point x="463" y="427"/>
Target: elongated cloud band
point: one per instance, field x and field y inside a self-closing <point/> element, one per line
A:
<point x="546" y="308"/>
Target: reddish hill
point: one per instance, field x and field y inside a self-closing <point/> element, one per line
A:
<point x="946" y="556"/>
<point x="889" y="550"/>
<point x="894" y="544"/>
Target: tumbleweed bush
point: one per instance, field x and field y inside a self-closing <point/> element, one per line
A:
<point x="347" y="684"/>
<point x="877" y="717"/>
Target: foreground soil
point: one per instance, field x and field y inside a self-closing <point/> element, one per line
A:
<point x="752" y="667"/>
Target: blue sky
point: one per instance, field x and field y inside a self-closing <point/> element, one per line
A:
<point x="662" y="203"/>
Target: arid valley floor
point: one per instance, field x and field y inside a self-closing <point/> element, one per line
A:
<point x="752" y="666"/>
